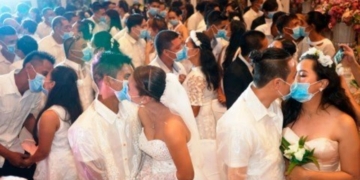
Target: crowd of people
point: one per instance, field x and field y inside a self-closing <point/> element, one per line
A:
<point x="167" y="91"/>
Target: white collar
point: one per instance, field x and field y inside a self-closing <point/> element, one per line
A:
<point x="246" y="63"/>
<point x="104" y="111"/>
<point x="74" y="65"/>
<point x="163" y="66"/>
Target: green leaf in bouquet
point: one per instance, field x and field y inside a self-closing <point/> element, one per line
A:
<point x="302" y="141"/>
<point x="291" y="167"/>
<point x="315" y="161"/>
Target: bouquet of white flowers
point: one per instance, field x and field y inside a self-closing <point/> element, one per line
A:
<point x="297" y="154"/>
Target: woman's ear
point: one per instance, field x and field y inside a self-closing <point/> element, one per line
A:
<point x="145" y="99"/>
<point x="324" y="83"/>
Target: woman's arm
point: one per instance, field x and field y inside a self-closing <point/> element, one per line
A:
<point x="49" y="123"/>
<point x="176" y="141"/>
<point x="349" y="151"/>
<point x="352" y="99"/>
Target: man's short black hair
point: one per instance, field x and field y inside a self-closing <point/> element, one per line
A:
<point x="39" y="56"/>
<point x="4" y="16"/>
<point x="163" y="40"/>
<point x="69" y="15"/>
<point x="270" y="5"/>
<point x="153" y="1"/>
<point x="7" y="31"/>
<point x="201" y="6"/>
<point x="27" y="44"/>
<point x="59" y="11"/>
<point x="96" y="6"/>
<point x="22" y="8"/>
<point x="45" y="10"/>
<point x="215" y="18"/>
<point x="57" y="21"/>
<point x="250" y="41"/>
<point x="29" y="25"/>
<point x="124" y="5"/>
<point x="284" y="20"/>
<point x="134" y="20"/>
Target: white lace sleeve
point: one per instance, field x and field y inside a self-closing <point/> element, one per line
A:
<point x="196" y="86"/>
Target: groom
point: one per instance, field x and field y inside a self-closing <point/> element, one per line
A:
<point x="104" y="138"/>
<point x="249" y="133"/>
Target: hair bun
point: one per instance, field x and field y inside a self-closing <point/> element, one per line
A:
<point x="256" y="56"/>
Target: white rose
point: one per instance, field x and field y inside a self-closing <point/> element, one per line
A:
<point x="299" y="155"/>
<point x="292" y="149"/>
<point x="325" y="60"/>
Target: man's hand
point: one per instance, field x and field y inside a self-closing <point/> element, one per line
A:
<point x="17" y="159"/>
<point x="182" y="78"/>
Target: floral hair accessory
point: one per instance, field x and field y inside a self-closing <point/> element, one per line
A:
<point x="194" y="38"/>
<point x="324" y="60"/>
<point x="236" y="18"/>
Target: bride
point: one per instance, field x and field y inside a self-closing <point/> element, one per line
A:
<point x="170" y="137"/>
<point x="319" y="109"/>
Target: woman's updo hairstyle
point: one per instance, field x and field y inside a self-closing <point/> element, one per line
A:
<point x="86" y="27"/>
<point x="270" y="64"/>
<point x="150" y="81"/>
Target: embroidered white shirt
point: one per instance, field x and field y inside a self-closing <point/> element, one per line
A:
<point x="177" y="69"/>
<point x="134" y="49"/>
<point x="43" y="30"/>
<point x="49" y="45"/>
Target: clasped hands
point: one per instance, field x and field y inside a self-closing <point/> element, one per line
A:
<point x="19" y="160"/>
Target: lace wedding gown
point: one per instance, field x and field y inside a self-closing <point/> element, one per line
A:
<point x="326" y="151"/>
<point x="158" y="163"/>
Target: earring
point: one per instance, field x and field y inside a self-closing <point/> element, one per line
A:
<point x="321" y="89"/>
<point x="142" y="104"/>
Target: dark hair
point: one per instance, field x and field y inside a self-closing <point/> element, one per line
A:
<point x="237" y="30"/>
<point x="96" y="6"/>
<point x="59" y="11"/>
<point x="134" y="20"/>
<point x="103" y="39"/>
<point x="65" y="94"/>
<point x="5" y="9"/>
<point x="108" y="64"/>
<point x="333" y="94"/>
<point x="288" y="45"/>
<point x="176" y="10"/>
<point x="250" y="41"/>
<point x="26" y="45"/>
<point x="150" y="81"/>
<point x="270" y="5"/>
<point x="114" y="19"/>
<point x="163" y="40"/>
<point x="38" y="56"/>
<point x="57" y="21"/>
<point x="84" y="27"/>
<point x="36" y="11"/>
<point x="201" y="6"/>
<point x="284" y="20"/>
<point x="211" y="6"/>
<point x="270" y="64"/>
<point x="70" y="8"/>
<point x="215" y="18"/>
<point x="22" y="8"/>
<point x="190" y="11"/>
<point x="276" y="17"/>
<point x="29" y="25"/>
<point x="158" y="23"/>
<point x="7" y="31"/>
<point x="45" y="10"/>
<point x="4" y="16"/>
<point x="69" y="15"/>
<point x="319" y="20"/>
<point x="68" y="43"/>
<point x="209" y="66"/>
<point x="106" y="4"/>
<point x="176" y="4"/>
<point x="124" y="5"/>
<point x="153" y="1"/>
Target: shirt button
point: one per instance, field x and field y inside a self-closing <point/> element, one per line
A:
<point x="125" y="159"/>
<point x="124" y="144"/>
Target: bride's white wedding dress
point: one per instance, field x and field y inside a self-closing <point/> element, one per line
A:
<point x="326" y="151"/>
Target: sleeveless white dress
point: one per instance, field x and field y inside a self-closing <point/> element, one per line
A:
<point x="326" y="151"/>
<point x="60" y="164"/>
<point x="157" y="161"/>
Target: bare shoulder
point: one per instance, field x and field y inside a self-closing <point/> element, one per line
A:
<point x="49" y="115"/>
<point x="344" y="122"/>
<point x="175" y="129"/>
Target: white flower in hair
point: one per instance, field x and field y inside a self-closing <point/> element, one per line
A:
<point x="194" y="38"/>
<point x="324" y="60"/>
<point x="236" y="18"/>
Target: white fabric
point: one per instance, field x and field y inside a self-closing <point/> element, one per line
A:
<point x="43" y="30"/>
<point x="266" y="29"/>
<point x="4" y="64"/>
<point x="175" y="98"/>
<point x="325" y="45"/>
<point x="326" y="151"/>
<point x="105" y="144"/>
<point x="246" y="63"/>
<point x="85" y="83"/>
<point x="194" y="21"/>
<point x="99" y="26"/>
<point x="123" y="20"/>
<point x="17" y="65"/>
<point x="250" y="16"/>
<point x="49" y="45"/>
<point x="60" y="164"/>
<point x="302" y="47"/>
<point x="218" y="45"/>
<point x="199" y="95"/>
<point x="249" y="135"/>
<point x="120" y="34"/>
<point x="178" y="68"/>
<point x="114" y="30"/>
<point x="134" y="49"/>
<point x="14" y="109"/>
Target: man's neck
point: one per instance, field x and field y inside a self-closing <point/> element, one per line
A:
<point x="314" y="37"/>
<point x="21" y="81"/>
<point x="110" y="102"/>
<point x="209" y="33"/>
<point x="57" y="38"/>
<point x="47" y="23"/>
<point x="131" y="34"/>
<point x="263" y="95"/>
<point x="168" y="63"/>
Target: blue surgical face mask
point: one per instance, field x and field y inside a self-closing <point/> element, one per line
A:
<point x="285" y="97"/>
<point x="123" y="93"/>
<point x="174" y="22"/>
<point x="67" y="35"/>
<point x="303" y="32"/>
<point x="296" y="32"/>
<point x="271" y="14"/>
<point x="144" y="33"/>
<point x="300" y="92"/>
<point x="181" y="54"/>
<point x="11" y="48"/>
<point x="163" y="14"/>
<point x="153" y="11"/>
<point x="87" y="54"/>
<point x="36" y="84"/>
<point x="221" y="33"/>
